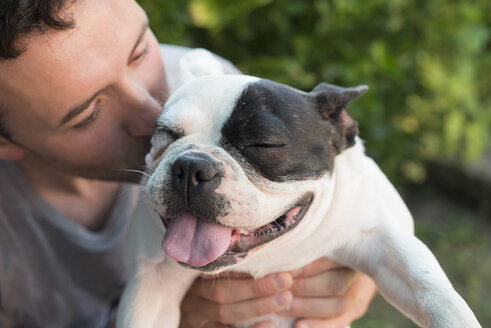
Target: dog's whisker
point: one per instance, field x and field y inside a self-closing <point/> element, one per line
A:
<point x="136" y="171"/>
<point x="162" y="103"/>
<point x="165" y="94"/>
<point x="228" y="279"/>
<point x="212" y="286"/>
<point x="140" y="187"/>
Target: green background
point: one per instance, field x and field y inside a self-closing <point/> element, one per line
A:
<point x="428" y="65"/>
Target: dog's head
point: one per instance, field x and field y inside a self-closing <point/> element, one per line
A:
<point x="237" y="161"/>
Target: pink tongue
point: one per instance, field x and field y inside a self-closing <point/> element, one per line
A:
<point x="195" y="241"/>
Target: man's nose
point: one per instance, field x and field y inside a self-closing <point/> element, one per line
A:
<point x="142" y="110"/>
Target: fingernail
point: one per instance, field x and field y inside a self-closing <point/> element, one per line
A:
<point x="283" y="298"/>
<point x="281" y="281"/>
<point x="303" y="325"/>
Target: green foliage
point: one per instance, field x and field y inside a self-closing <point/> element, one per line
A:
<point x="428" y="63"/>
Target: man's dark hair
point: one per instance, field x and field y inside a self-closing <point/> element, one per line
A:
<point x="19" y="18"/>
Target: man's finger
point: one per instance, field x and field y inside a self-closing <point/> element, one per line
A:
<point x="341" y="321"/>
<point x="316" y="267"/>
<point x="317" y="307"/>
<point x="191" y="317"/>
<point x="267" y="324"/>
<point x="211" y="325"/>
<point x="236" y="290"/>
<point x="345" y="309"/>
<point x="321" y="323"/>
<point x="241" y="311"/>
<point x="334" y="282"/>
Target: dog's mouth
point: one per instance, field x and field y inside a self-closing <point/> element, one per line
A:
<point x="205" y="246"/>
<point x="244" y="240"/>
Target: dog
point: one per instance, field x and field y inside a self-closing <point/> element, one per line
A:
<point x="254" y="176"/>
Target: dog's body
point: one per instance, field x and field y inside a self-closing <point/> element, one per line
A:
<point x="256" y="177"/>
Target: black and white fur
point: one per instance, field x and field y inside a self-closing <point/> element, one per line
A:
<point x="240" y="152"/>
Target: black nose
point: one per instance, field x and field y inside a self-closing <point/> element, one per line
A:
<point x="195" y="175"/>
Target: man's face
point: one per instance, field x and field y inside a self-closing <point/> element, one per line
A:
<point x="84" y="100"/>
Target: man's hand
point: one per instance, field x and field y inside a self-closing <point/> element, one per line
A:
<point x="328" y="295"/>
<point x="322" y="293"/>
<point x="225" y="300"/>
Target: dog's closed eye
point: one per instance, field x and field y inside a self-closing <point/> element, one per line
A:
<point x="270" y="141"/>
<point x="164" y="136"/>
<point x="173" y="132"/>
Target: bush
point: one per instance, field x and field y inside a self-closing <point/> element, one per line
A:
<point x="427" y="64"/>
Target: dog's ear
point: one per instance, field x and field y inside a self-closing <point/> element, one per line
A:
<point x="196" y="63"/>
<point x="332" y="101"/>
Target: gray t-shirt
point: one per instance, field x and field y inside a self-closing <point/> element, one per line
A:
<point x="53" y="271"/>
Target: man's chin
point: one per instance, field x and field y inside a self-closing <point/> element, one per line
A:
<point x="127" y="171"/>
<point x="116" y="175"/>
<point x="119" y="175"/>
<point x="101" y="173"/>
<point x="120" y="172"/>
<point x="130" y="168"/>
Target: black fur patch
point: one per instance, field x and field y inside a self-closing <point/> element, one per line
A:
<point x="283" y="133"/>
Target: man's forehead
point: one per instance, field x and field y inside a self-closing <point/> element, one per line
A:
<point x="59" y="68"/>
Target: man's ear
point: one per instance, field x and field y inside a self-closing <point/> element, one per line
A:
<point x="10" y="151"/>
<point x="331" y="101"/>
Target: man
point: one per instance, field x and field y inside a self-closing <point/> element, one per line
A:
<point x="81" y="84"/>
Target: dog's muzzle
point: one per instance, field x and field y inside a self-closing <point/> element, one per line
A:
<point x="196" y="242"/>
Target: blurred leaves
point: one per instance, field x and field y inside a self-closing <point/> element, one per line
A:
<point x="427" y="63"/>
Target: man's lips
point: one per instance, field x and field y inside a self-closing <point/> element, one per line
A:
<point x="197" y="242"/>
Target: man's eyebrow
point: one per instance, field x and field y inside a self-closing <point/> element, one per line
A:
<point x="78" y="109"/>
<point x="140" y="37"/>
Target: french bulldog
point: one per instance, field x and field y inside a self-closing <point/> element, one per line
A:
<point x="253" y="176"/>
